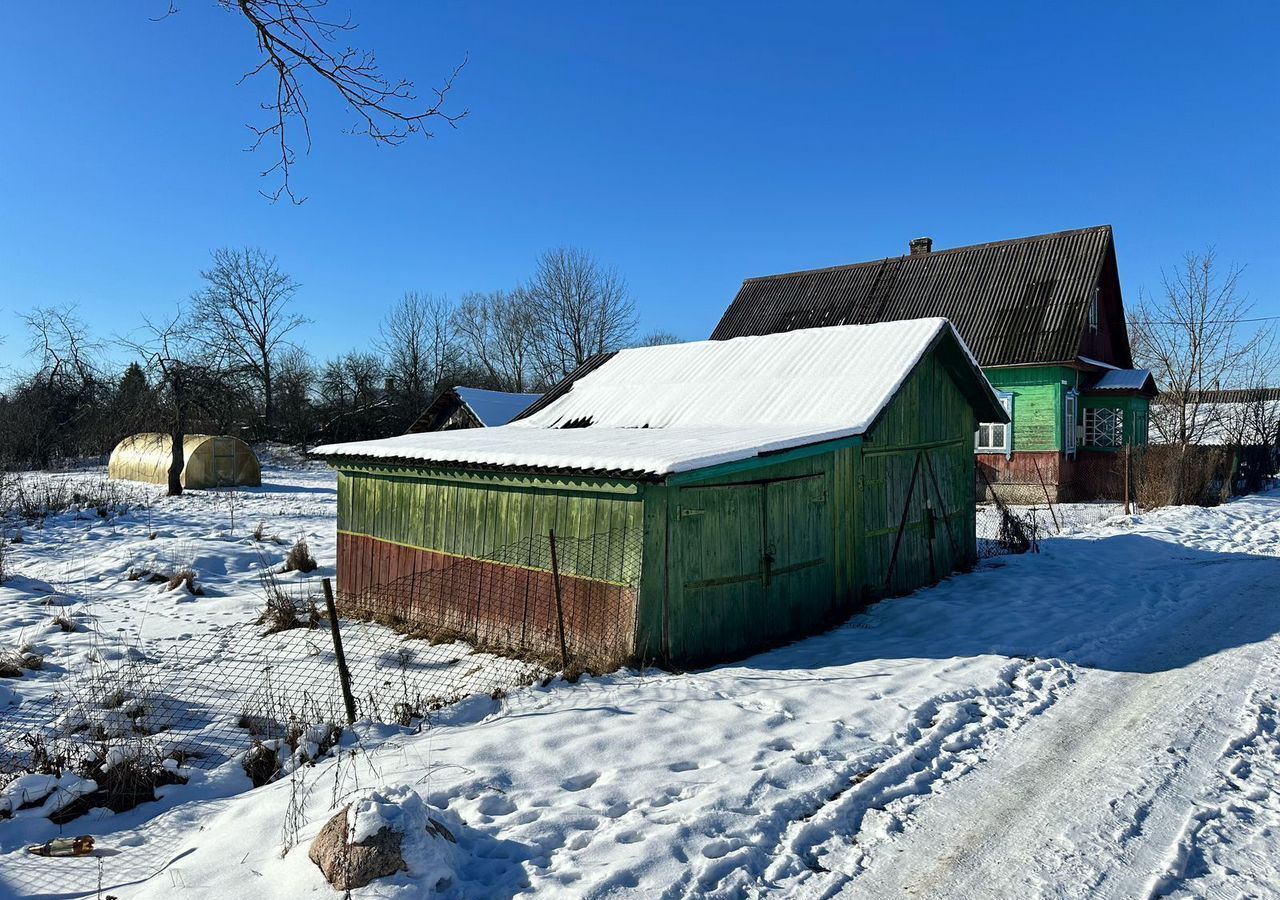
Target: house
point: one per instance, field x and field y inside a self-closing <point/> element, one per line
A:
<point x="468" y="407"/>
<point x="1044" y="317"/>
<point x="729" y="494"/>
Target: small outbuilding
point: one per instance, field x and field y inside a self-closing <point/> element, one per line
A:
<point x="468" y="407"/>
<point x="210" y="461"/>
<point x="759" y="488"/>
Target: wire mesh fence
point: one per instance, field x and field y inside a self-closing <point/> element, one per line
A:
<point x="270" y="692"/>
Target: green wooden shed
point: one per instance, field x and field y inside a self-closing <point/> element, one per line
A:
<point x="729" y="495"/>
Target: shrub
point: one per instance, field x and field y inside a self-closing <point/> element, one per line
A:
<point x="185" y="577"/>
<point x="1167" y="475"/>
<point x="300" y="558"/>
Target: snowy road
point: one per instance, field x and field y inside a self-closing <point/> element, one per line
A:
<point x="1102" y="796"/>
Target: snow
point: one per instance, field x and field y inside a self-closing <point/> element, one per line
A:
<point x="674" y="408"/>
<point x="494" y="408"/>
<point x="1098" y="719"/>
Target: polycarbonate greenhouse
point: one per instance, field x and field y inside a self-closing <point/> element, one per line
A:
<point x="211" y="461"/>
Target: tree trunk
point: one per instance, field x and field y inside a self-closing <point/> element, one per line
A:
<point x="268" y="407"/>
<point x="177" y="436"/>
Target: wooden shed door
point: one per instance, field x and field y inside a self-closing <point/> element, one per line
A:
<point x="797" y="527"/>
<point x="755" y="564"/>
<point x="721" y="564"/>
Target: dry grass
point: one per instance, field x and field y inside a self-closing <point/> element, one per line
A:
<point x="284" y="609"/>
<point x="184" y="578"/>
<point x="300" y="558"/>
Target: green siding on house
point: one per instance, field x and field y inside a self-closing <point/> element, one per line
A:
<point x="1136" y="411"/>
<point x="1038" y="403"/>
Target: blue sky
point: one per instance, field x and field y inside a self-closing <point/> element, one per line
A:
<point x="689" y="145"/>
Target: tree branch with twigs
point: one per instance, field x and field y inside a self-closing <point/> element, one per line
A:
<point x="301" y="45"/>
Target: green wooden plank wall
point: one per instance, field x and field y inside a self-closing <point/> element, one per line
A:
<point x="500" y="516"/>
<point x="930" y="421"/>
<point x="1038" y="393"/>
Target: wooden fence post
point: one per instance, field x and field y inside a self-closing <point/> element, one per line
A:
<point x="344" y="676"/>
<point x="1044" y="487"/>
<point x="1128" y="463"/>
<point x="555" y="580"/>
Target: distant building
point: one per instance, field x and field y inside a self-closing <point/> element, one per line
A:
<point x="1045" y="319"/>
<point x="467" y="407"/>
<point x="1243" y="417"/>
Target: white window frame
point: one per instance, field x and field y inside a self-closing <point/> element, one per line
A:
<point x="1093" y="313"/>
<point x="1006" y="445"/>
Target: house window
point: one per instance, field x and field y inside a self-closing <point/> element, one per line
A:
<point x="1103" y="428"/>
<point x="997" y="437"/>
<point x="1093" y="314"/>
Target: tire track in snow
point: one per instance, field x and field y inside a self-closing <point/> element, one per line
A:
<point x="948" y="736"/>
<point x="1230" y="843"/>
<point x="1088" y="802"/>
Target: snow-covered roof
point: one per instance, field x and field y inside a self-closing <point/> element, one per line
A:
<point x="494" y="408"/>
<point x="1124" y="380"/>
<point x="674" y="408"/>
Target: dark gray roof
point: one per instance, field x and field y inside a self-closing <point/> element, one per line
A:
<point x="1237" y="395"/>
<point x="1014" y="302"/>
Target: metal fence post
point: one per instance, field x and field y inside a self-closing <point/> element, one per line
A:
<point x="344" y="676"/>
<point x="555" y="579"/>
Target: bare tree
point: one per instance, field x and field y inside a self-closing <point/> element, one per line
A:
<point x="418" y="347"/>
<point x="496" y="330"/>
<point x="659" y="338"/>
<point x="352" y="398"/>
<point x="295" y="384"/>
<point x="580" y="308"/>
<point x="63" y="402"/>
<point x="1194" y="339"/>
<point x="191" y="380"/>
<point x="244" y="310"/>
<point x="60" y="340"/>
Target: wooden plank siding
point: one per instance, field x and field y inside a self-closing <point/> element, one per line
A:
<point x="928" y="430"/>
<point x="1038" y="402"/>
<point x="470" y="556"/>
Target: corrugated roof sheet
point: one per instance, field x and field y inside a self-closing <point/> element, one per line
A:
<point x="660" y="410"/>
<point x="1124" y="380"/>
<point x="1236" y="395"/>
<point x="1014" y="302"/>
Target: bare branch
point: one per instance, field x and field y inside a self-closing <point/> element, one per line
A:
<point x="298" y="44"/>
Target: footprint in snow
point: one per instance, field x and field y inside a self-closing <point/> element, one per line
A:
<point x="580" y="782"/>
<point x="496" y="805"/>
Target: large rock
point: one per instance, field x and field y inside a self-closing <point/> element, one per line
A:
<point x="349" y="864"/>
<point x="393" y="830"/>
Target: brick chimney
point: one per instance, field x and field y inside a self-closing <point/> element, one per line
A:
<point x="921" y="246"/>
